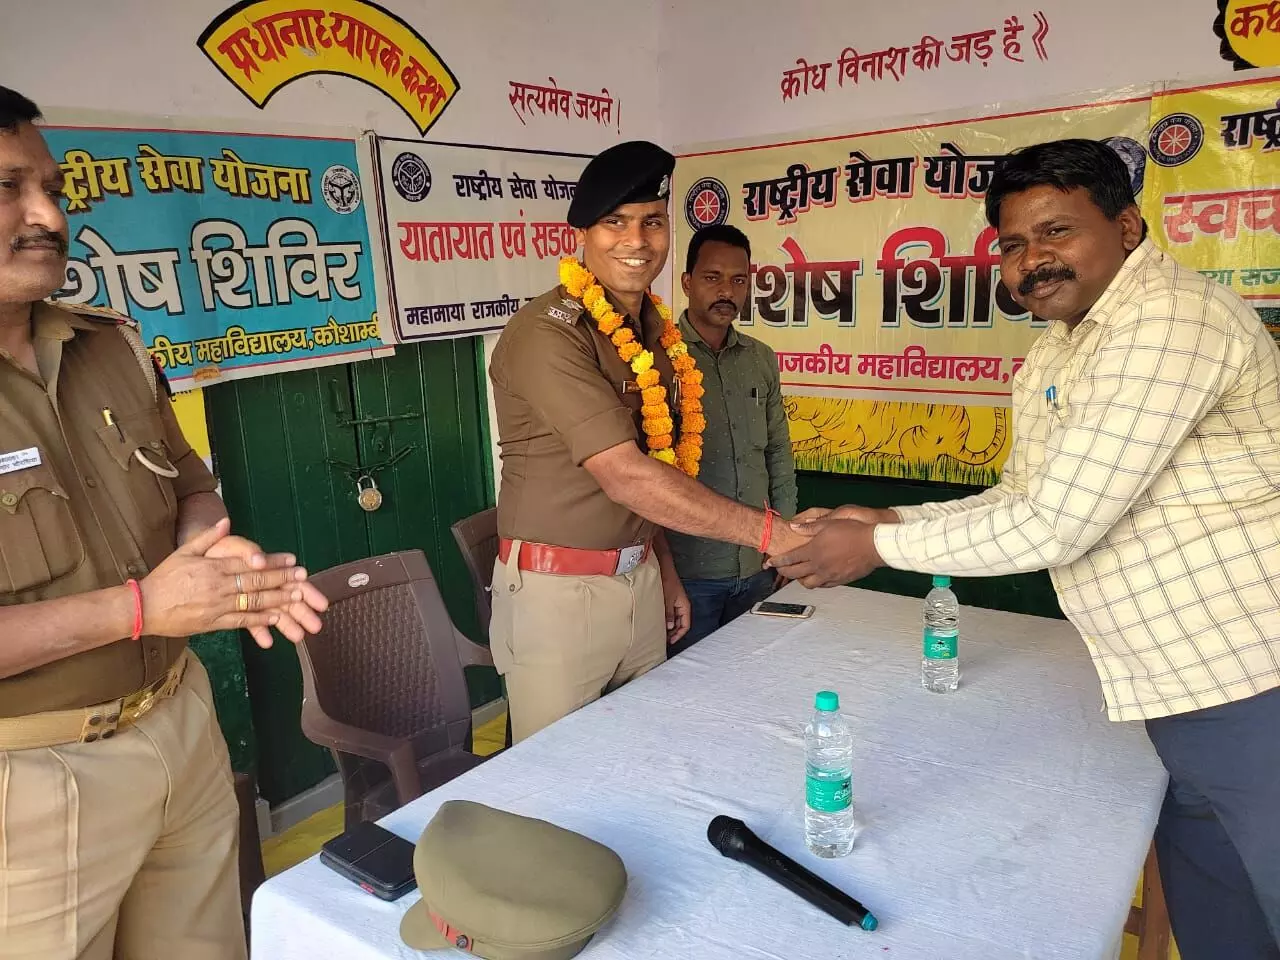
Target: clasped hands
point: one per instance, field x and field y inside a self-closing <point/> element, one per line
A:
<point x="217" y="581"/>
<point x="828" y="547"/>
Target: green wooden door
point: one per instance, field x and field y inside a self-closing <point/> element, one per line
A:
<point x="284" y="446"/>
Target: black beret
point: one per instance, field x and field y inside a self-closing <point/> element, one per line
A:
<point x="634" y="172"/>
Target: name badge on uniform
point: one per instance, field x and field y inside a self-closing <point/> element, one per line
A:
<point x="630" y="386"/>
<point x="19" y="460"/>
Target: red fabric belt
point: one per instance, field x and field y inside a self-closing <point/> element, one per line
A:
<point x="574" y="562"/>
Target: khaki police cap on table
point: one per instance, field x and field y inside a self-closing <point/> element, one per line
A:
<point x="506" y="887"/>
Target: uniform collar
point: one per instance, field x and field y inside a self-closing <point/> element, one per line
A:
<point x="51" y="328"/>
<point x="50" y="322"/>
<point x="690" y="333"/>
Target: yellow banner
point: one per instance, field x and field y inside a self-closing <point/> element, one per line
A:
<point x="189" y="409"/>
<point x="262" y="45"/>
<point x="876" y="278"/>
<point x="1213" y="184"/>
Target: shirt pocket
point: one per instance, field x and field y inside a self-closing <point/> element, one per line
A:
<point x="136" y="443"/>
<point x="39" y="542"/>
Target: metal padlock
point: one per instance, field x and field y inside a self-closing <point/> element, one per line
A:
<point x="370" y="497"/>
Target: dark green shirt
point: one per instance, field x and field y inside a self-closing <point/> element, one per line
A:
<point x="746" y="449"/>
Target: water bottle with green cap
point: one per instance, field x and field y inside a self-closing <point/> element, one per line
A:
<point x="940" y="668"/>
<point x="828" y="754"/>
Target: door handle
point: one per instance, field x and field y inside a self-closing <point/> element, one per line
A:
<point x="367" y="421"/>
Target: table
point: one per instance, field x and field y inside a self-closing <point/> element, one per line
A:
<point x="1007" y="820"/>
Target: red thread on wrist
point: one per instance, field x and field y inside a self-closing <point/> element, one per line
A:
<point x="137" y="610"/>
<point x="768" y="530"/>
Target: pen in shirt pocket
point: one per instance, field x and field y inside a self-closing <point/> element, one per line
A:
<point x="1051" y="395"/>
<point x="755" y="395"/>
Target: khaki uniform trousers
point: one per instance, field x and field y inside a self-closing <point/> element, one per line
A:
<point x="124" y="848"/>
<point x="563" y="641"/>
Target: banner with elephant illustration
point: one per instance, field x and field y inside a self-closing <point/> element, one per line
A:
<point x="876" y="277"/>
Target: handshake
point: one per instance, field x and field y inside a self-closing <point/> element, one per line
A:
<point x="825" y="547"/>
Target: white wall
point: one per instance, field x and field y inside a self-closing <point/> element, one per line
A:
<point x="684" y="71"/>
<point x="722" y="60"/>
<point x="140" y="56"/>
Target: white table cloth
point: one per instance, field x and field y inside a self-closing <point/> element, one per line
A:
<point x="1007" y="820"/>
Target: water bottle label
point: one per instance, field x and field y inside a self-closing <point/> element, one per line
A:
<point x="828" y="796"/>
<point x="940" y="644"/>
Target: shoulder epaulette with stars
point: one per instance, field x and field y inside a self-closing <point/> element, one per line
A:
<point x="565" y="309"/>
<point x="132" y="334"/>
<point x="97" y="314"/>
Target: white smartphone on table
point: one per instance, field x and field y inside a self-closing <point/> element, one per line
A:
<point x="794" y="611"/>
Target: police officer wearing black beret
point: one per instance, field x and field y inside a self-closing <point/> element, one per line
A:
<point x="585" y="594"/>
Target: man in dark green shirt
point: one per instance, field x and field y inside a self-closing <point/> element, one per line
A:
<point x="746" y="448"/>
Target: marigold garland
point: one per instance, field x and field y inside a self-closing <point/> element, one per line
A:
<point x="683" y="452"/>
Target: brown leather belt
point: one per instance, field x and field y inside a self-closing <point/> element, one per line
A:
<point x="575" y="562"/>
<point x="100" y="722"/>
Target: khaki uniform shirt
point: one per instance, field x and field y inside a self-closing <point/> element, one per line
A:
<point x="1143" y="475"/>
<point x="88" y="515"/>
<point x="562" y="394"/>
<point x="746" y="449"/>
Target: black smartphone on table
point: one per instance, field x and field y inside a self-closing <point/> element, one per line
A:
<point x="373" y="857"/>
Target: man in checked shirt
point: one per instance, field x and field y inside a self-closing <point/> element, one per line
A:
<point x="1145" y="476"/>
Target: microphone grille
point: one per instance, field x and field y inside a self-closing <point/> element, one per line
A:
<point x="722" y="831"/>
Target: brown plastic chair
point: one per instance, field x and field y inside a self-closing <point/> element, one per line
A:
<point x="477" y="539"/>
<point x="1150" y="922"/>
<point x="383" y="686"/>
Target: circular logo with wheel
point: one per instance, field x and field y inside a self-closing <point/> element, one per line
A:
<point x="706" y="204"/>
<point x="1175" y="139"/>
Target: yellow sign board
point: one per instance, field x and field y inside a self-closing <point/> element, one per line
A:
<point x="188" y="407"/>
<point x="1250" y="32"/>
<point x="262" y="45"/>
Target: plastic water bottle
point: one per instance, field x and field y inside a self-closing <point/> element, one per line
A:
<point x="940" y="668"/>
<point x="828" y="761"/>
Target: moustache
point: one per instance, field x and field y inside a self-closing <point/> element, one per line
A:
<point x="42" y="239"/>
<point x="1045" y="275"/>
<point x="724" y="303"/>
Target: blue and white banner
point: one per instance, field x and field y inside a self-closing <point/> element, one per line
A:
<point x="470" y="233"/>
<point x="239" y="254"/>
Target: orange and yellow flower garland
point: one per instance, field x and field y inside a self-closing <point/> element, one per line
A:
<point x="656" y="421"/>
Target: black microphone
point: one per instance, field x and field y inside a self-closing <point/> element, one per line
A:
<point x="734" y="839"/>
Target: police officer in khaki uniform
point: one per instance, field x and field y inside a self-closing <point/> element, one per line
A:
<point x="585" y="595"/>
<point x="118" y="822"/>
